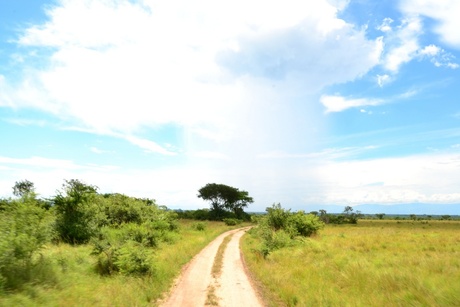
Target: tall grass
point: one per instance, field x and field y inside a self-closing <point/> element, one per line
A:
<point x="374" y="263"/>
<point x="76" y="283"/>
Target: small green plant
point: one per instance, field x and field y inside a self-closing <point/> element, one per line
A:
<point x="200" y="226"/>
<point x="232" y="222"/>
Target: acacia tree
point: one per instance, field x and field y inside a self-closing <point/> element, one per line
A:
<point x="225" y="198"/>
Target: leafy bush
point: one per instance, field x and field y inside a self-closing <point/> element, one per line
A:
<point x="24" y="228"/>
<point x="232" y="222"/>
<point x="279" y="228"/>
<point x="134" y="258"/>
<point x="200" y="226"/>
<point x="274" y="240"/>
<point x="277" y="217"/>
<point x="303" y="224"/>
<point x="126" y="249"/>
<point x="78" y="216"/>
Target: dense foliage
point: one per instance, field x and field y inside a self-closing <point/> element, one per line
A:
<point x="280" y="227"/>
<point x="25" y="227"/>
<point x="122" y="230"/>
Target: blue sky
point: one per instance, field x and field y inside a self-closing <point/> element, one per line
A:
<point x="307" y="103"/>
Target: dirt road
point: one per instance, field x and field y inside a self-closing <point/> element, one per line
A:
<point x="197" y="287"/>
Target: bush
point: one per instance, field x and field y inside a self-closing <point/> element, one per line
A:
<point x="78" y="216"/>
<point x="277" y="217"/>
<point x="200" y="226"/>
<point x="24" y="228"/>
<point x="134" y="258"/>
<point x="303" y="224"/>
<point x="126" y="249"/>
<point x="232" y="222"/>
<point x="279" y="227"/>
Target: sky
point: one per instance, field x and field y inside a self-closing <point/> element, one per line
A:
<point x="304" y="103"/>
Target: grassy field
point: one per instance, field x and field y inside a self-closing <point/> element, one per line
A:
<point x="374" y="263"/>
<point x="72" y="280"/>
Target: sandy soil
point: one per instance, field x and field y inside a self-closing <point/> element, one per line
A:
<point x="232" y="288"/>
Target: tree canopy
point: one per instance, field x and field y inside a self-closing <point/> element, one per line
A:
<point x="23" y="187"/>
<point x="225" y="198"/>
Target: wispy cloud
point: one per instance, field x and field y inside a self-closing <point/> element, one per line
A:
<point x="41" y="162"/>
<point x="339" y="103"/>
<point x="323" y="155"/>
<point x="402" y="43"/>
<point x="27" y="122"/>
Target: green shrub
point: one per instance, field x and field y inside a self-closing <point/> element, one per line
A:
<point x="277" y="217"/>
<point x="232" y="222"/>
<point x="279" y="227"/>
<point x="24" y="228"/>
<point x="200" y="226"/>
<point x="78" y="216"/>
<point x="126" y="249"/>
<point x="303" y="224"/>
<point x="134" y="258"/>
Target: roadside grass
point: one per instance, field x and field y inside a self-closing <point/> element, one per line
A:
<point x="373" y="263"/>
<point x="76" y="283"/>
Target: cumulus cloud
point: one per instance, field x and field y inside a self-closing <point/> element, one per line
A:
<point x="445" y="13"/>
<point x="117" y="67"/>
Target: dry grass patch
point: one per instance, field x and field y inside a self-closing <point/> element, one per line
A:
<point x="374" y="263"/>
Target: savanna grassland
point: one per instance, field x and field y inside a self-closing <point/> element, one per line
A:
<point x="68" y="276"/>
<point x="372" y="263"/>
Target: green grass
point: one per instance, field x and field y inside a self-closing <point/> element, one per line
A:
<point x="74" y="282"/>
<point x="374" y="263"/>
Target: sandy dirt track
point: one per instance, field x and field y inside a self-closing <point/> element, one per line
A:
<point x="232" y="288"/>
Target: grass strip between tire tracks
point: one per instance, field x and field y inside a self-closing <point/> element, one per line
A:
<point x="212" y="299"/>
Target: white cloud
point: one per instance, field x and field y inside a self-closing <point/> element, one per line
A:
<point x="117" y="67"/>
<point x="438" y="56"/>
<point x="47" y="163"/>
<point x="331" y="176"/>
<point x="418" y="178"/>
<point x="445" y="13"/>
<point x="339" y="103"/>
<point x="148" y="145"/>
<point x="402" y="44"/>
<point x="383" y="79"/>
<point x="386" y="25"/>
<point x="430" y="50"/>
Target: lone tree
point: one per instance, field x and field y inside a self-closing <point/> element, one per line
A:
<point x="225" y="198"/>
